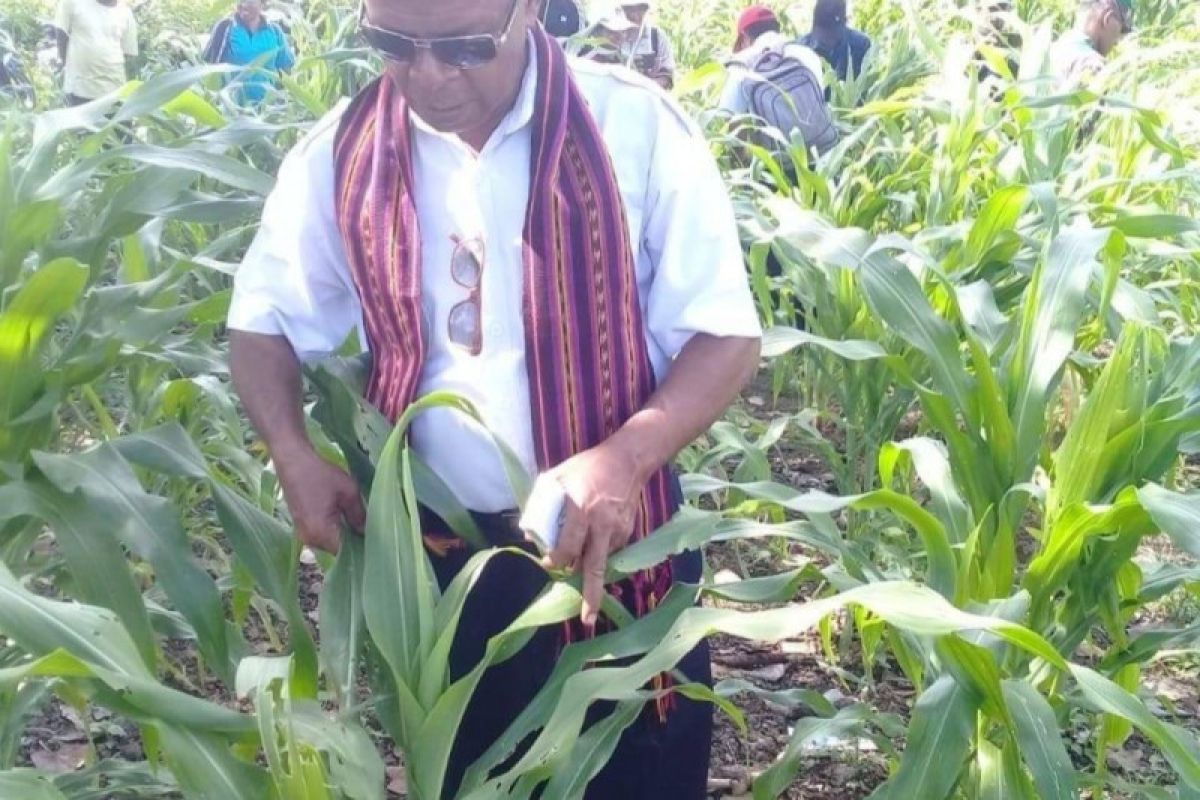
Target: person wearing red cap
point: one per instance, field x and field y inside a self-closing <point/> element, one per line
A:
<point x="753" y="23"/>
<point x="777" y="79"/>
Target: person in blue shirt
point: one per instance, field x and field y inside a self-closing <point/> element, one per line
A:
<point x="835" y="41"/>
<point x="243" y="39"/>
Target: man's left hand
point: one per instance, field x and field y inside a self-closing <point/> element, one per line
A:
<point x="603" y="487"/>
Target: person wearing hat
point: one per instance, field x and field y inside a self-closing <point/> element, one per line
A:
<point x="649" y="50"/>
<point x="608" y="40"/>
<point x="1100" y="25"/>
<point x="835" y="41"/>
<point x="562" y="19"/>
<point x="758" y="32"/>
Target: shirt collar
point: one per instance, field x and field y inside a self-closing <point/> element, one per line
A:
<point x="520" y="116"/>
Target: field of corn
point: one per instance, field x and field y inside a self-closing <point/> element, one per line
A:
<point x="953" y="543"/>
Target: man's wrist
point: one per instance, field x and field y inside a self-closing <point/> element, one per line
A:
<point x="638" y="446"/>
<point x="290" y="448"/>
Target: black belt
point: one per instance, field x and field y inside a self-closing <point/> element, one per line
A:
<point x="501" y="527"/>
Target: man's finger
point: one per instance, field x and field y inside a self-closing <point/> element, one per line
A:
<point x="355" y="513"/>
<point x="571" y="538"/>
<point x="325" y="537"/>
<point x="595" y="565"/>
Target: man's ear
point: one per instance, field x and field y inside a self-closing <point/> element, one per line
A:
<point x="533" y="10"/>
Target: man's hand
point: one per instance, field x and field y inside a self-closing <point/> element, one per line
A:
<point x="603" y="486"/>
<point x="266" y="373"/>
<point x="320" y="496"/>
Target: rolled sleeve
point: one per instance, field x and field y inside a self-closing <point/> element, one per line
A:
<point x="699" y="282"/>
<point x="295" y="280"/>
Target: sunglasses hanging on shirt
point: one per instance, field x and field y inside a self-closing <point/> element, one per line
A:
<point x="459" y="52"/>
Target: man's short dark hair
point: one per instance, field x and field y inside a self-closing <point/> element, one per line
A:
<point x="829" y="14"/>
<point x="759" y="28"/>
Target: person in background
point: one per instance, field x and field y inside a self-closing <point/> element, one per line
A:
<point x="244" y="39"/>
<point x="562" y="19"/>
<point x="759" y="31"/>
<point x="649" y="51"/>
<point x="97" y="42"/>
<point x="1081" y="52"/>
<point x="835" y="41"/>
<point x="608" y="40"/>
<point x="14" y="79"/>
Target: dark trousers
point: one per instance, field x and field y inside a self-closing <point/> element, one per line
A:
<point x="653" y="760"/>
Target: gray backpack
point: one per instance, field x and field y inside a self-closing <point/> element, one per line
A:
<point x="788" y="96"/>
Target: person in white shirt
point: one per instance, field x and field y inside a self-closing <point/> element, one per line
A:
<point x="97" y="41"/>
<point x="649" y="49"/>
<point x="550" y="239"/>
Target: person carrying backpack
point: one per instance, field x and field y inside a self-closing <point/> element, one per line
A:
<point x="778" y="80"/>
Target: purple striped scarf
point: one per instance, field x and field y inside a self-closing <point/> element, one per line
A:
<point x="585" y="343"/>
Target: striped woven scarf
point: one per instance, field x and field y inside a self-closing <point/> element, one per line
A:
<point x="585" y="344"/>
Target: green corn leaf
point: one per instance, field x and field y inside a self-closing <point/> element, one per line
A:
<point x="591" y="751"/>
<point x="1041" y="746"/>
<point x="1177" y="515"/>
<point x="28" y="784"/>
<point x="25" y="321"/>
<point x="1000" y="773"/>
<point x="939" y="742"/>
<point x="399" y="588"/>
<point x="932" y="465"/>
<point x="207" y="770"/>
<point x="975" y="669"/>
<point x="897" y="297"/>
<point x="779" y="341"/>
<point x="271" y="554"/>
<point x="998" y="215"/>
<point x="99" y="570"/>
<point x="167" y="449"/>
<point x="1179" y="747"/>
<point x="1053" y="308"/>
<point x="151" y="528"/>
<point x="942" y="564"/>
<point x="343" y="627"/>
<point x="776" y="779"/>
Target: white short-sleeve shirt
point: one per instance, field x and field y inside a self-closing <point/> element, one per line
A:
<point x="100" y="39"/>
<point x="295" y="280"/>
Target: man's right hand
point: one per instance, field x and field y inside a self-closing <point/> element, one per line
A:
<point x="320" y="497"/>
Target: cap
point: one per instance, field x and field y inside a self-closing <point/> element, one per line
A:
<point x="616" y="23"/>
<point x="754" y="16"/>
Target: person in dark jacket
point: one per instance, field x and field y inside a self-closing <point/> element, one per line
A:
<point x="835" y="41"/>
<point x="562" y="18"/>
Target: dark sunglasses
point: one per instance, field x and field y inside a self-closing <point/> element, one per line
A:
<point x="459" y="52"/>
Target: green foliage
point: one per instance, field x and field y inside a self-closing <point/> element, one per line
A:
<point x="983" y="326"/>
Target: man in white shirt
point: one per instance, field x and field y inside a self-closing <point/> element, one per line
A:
<point x="557" y="246"/>
<point x="649" y="50"/>
<point x="96" y="40"/>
